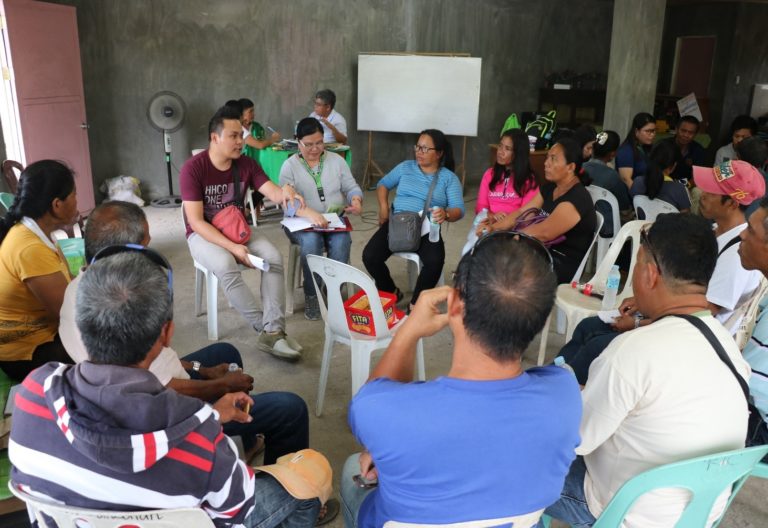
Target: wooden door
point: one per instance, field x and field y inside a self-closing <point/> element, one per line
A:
<point x="42" y="54"/>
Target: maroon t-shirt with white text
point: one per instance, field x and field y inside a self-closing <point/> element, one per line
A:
<point x="200" y="181"/>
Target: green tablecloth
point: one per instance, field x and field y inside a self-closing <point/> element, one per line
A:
<point x="272" y="159"/>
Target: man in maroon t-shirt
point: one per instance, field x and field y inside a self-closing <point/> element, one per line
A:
<point x="207" y="186"/>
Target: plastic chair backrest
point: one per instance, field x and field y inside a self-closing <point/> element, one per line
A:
<point x="6" y="199"/>
<point x="65" y="516"/>
<point x="647" y="209"/>
<point x="335" y="274"/>
<point x="598" y="226"/>
<point x="706" y="477"/>
<point x="600" y="194"/>
<point x="630" y="230"/>
<point x="11" y="172"/>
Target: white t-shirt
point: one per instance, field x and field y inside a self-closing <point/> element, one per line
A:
<point x="657" y="395"/>
<point x="337" y="120"/>
<point x="731" y="285"/>
<point x="165" y="366"/>
<point x="725" y="153"/>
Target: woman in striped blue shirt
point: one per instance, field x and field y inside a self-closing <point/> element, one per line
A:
<point x="412" y="178"/>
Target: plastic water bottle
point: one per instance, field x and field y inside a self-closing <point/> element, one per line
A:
<point x="434" y="227"/>
<point x="482" y="215"/>
<point x="560" y="362"/>
<point x="611" y="288"/>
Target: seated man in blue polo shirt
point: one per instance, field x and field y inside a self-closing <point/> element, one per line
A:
<point x="487" y="441"/>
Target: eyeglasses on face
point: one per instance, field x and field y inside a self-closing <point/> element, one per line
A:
<point x="645" y="241"/>
<point x="422" y="148"/>
<point x="151" y="254"/>
<point x="310" y="146"/>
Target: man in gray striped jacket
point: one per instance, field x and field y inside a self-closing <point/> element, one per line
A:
<point x="106" y="434"/>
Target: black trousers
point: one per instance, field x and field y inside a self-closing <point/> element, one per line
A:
<point x="50" y="351"/>
<point x="377" y="251"/>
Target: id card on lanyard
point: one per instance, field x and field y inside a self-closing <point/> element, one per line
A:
<point x="316" y="175"/>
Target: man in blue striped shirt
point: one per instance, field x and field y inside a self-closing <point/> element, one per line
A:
<point x="754" y="255"/>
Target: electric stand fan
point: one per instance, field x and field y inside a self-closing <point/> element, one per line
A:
<point x="166" y="112"/>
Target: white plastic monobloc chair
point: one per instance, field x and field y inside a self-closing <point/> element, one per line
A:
<point x="599" y="194"/>
<point x="414" y="268"/>
<point x="334" y="274"/>
<point x="577" y="306"/>
<point x="576" y="276"/>
<point x="205" y="279"/>
<point x="294" y="277"/>
<point x="647" y="209"/>
<point x="70" y="516"/>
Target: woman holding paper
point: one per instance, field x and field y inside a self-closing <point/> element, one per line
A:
<point x="327" y="185"/>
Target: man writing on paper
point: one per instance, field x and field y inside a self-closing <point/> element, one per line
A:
<point x="334" y="124"/>
<point x="207" y="186"/>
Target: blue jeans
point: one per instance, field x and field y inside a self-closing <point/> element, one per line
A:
<point x="336" y="245"/>
<point x="352" y="495"/>
<point x="273" y="506"/>
<point x="282" y="417"/>
<point x="590" y="338"/>
<point x="572" y="506"/>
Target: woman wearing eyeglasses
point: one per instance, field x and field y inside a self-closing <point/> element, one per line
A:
<point x="434" y="159"/>
<point x="566" y="201"/>
<point x="632" y="156"/>
<point x="33" y="275"/>
<point x="327" y="185"/>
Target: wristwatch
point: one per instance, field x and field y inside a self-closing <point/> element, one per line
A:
<point x="196" y="366"/>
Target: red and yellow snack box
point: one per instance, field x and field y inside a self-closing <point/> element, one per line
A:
<point x="359" y="317"/>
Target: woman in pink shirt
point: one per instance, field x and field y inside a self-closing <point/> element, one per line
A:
<point x="507" y="186"/>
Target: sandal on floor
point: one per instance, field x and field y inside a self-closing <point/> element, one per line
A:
<point x="332" y="507"/>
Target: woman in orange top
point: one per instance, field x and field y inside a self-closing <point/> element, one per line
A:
<point x="33" y="275"/>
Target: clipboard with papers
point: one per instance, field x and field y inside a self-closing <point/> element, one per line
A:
<point x="336" y="224"/>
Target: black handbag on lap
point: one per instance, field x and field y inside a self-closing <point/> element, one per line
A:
<point x="405" y="228"/>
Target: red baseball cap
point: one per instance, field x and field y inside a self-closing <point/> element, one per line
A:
<point x="737" y="179"/>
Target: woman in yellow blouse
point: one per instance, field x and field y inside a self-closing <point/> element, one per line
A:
<point x="33" y="276"/>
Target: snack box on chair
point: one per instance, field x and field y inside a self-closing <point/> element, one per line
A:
<point x="359" y="317"/>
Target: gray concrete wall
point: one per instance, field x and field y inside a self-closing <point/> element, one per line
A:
<point x="718" y="19"/>
<point x="279" y="53"/>
<point x="634" y="61"/>
<point x="748" y="61"/>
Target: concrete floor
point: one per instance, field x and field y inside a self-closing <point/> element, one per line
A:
<point x="330" y="433"/>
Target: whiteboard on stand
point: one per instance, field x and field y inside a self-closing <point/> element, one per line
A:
<point x="410" y="93"/>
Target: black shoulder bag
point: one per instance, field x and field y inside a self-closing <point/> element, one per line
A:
<point x="710" y="336"/>
<point x="405" y="228"/>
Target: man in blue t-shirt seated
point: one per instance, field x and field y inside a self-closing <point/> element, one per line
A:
<point x="487" y="441"/>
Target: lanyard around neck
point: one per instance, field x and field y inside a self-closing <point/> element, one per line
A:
<point x="316" y="175"/>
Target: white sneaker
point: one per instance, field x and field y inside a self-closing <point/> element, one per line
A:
<point x="293" y="343"/>
<point x="277" y="345"/>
